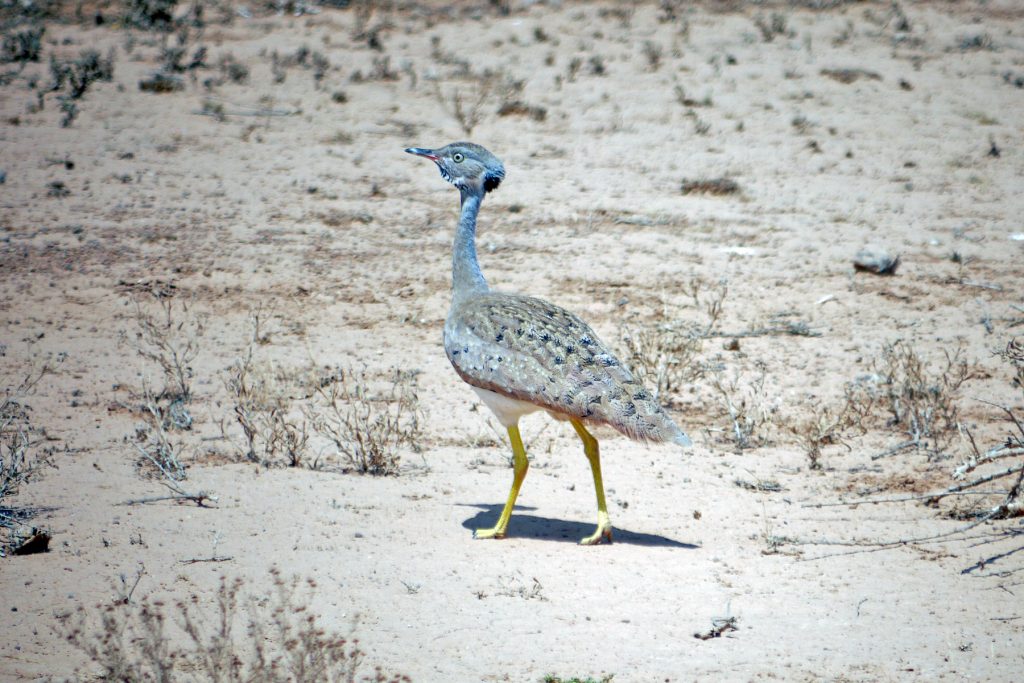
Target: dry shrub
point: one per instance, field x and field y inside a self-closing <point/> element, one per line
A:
<point x="745" y="404"/>
<point x="919" y="397"/>
<point x="903" y="391"/>
<point x="168" y="338"/>
<point x="159" y="454"/>
<point x="664" y="354"/>
<point x="821" y="425"/>
<point x="367" y="421"/>
<point x="19" y="461"/>
<point x="241" y="638"/>
<point x="713" y="186"/>
<point x="1014" y="355"/>
<point x="990" y="465"/>
<point x="22" y="46"/>
<point x="467" y="103"/>
<point x="771" y="27"/>
<point x="263" y="407"/>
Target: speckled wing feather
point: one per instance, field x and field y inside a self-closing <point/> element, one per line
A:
<point x="531" y="350"/>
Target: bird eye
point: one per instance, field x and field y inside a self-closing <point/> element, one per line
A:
<point x="458" y="157"/>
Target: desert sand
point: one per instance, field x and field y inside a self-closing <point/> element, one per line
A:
<point x="273" y="185"/>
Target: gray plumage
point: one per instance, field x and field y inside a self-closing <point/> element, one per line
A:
<point x="527" y="349"/>
<point x="533" y="351"/>
<point x="522" y="354"/>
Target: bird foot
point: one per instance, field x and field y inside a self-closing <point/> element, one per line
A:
<point x="496" y="532"/>
<point x="603" y="533"/>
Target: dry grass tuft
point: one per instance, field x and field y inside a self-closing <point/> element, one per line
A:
<point x="713" y="186"/>
<point x="19" y="460"/>
<point x="366" y="426"/>
<point x="239" y="638"/>
<point x="746" y="405"/>
<point x="908" y="393"/>
<point x="169" y="338"/>
<point x="261" y="395"/>
<point x="664" y="354"/>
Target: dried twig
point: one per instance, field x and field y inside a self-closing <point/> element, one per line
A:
<point x="913" y="443"/>
<point x="794" y="329"/>
<point x="719" y="625"/>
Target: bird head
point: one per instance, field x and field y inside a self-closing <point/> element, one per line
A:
<point x="466" y="165"/>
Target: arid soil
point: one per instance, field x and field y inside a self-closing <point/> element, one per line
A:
<point x="273" y="186"/>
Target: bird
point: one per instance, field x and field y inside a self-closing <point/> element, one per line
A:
<point x="522" y="354"/>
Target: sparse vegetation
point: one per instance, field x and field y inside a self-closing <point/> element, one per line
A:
<point x="71" y="78"/>
<point x="664" y="354"/>
<point x="20" y="460"/>
<point x="713" y="186"/>
<point x="22" y="46"/>
<point x="745" y="403"/>
<point x="902" y="391"/>
<point x="918" y="397"/>
<point x="150" y="15"/>
<point x="653" y="53"/>
<point x="168" y="338"/>
<point x="241" y="638"/>
<point x="772" y="27"/>
<point x="818" y="425"/>
<point x="367" y="425"/>
<point x="261" y="395"/>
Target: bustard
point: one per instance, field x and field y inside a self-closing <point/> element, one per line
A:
<point x="522" y="354"/>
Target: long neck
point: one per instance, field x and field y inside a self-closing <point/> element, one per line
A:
<point x="466" y="276"/>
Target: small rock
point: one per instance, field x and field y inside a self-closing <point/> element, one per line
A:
<point x="36" y="541"/>
<point x="731" y="345"/>
<point x="877" y="261"/>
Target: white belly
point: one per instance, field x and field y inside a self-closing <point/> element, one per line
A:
<point x="507" y="410"/>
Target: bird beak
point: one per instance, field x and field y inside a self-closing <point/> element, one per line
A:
<point x="421" y="152"/>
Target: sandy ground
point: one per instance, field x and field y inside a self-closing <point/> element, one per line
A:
<point x="299" y="202"/>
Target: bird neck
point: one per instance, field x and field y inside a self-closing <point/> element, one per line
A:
<point x="466" y="276"/>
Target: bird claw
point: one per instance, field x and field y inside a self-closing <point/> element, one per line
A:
<point x="489" y="533"/>
<point x="603" y="533"/>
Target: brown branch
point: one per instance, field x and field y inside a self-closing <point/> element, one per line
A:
<point x="875" y="546"/>
<point x="896" y="449"/>
<point x="216" y="558"/>
<point x="201" y="499"/>
<point x="1009" y="471"/>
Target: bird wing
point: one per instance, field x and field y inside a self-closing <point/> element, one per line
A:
<point x="528" y="349"/>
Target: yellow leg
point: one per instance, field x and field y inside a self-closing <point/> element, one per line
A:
<point x="519" y="466"/>
<point x="604" y="524"/>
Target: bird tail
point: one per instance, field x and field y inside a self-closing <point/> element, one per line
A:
<point x="682" y="439"/>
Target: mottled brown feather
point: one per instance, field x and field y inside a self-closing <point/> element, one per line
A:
<point x="531" y="350"/>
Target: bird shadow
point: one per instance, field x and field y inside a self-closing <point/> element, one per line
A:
<point x="533" y="526"/>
